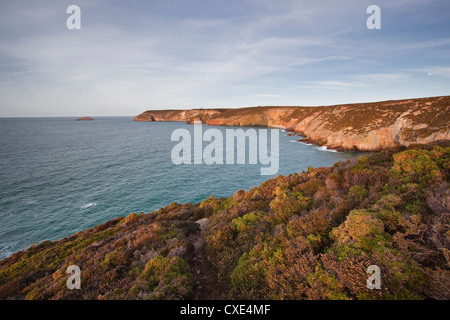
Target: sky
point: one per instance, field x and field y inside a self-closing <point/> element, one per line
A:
<point x="131" y="56"/>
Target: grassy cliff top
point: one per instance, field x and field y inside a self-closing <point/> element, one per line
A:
<point x="364" y="126"/>
<point x="369" y="110"/>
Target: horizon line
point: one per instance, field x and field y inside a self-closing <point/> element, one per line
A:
<point x="218" y="108"/>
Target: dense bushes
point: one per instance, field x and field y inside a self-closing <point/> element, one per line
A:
<point x="309" y="235"/>
<point x="165" y="279"/>
<point x="329" y="224"/>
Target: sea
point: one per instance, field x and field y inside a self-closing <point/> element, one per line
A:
<point x="60" y="176"/>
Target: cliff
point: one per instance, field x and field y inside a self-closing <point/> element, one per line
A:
<point x="363" y="126"/>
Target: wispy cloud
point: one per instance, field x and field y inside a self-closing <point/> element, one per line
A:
<point x="333" y="85"/>
<point x="149" y="54"/>
<point x="441" y="71"/>
<point x="357" y="81"/>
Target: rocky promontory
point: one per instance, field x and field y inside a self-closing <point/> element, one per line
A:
<point x="362" y="126"/>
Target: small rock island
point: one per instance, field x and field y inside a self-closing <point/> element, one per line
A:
<point x="84" y="118"/>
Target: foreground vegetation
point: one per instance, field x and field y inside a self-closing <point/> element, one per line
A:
<point x="309" y="235"/>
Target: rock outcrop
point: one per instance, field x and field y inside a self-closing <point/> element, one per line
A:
<point x="84" y="118"/>
<point x="363" y="126"/>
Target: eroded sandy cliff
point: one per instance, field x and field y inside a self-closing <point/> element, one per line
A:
<point x="363" y="126"/>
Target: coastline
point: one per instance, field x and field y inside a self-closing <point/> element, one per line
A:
<point x="177" y="251"/>
<point x="369" y="127"/>
<point x="304" y="222"/>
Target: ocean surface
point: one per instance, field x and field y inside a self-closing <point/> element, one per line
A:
<point x="60" y="176"/>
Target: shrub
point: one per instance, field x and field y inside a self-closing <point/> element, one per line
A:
<point x="166" y="279"/>
<point x="248" y="280"/>
<point x="285" y="205"/>
<point x="333" y="181"/>
<point x="419" y="166"/>
<point x="309" y="187"/>
<point x="324" y="285"/>
<point x="358" y="192"/>
<point x="245" y="222"/>
<point x="362" y="230"/>
<point x="389" y="201"/>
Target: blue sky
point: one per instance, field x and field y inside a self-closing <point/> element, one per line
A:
<point x="131" y="56"/>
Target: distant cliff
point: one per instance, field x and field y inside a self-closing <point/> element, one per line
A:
<point x="363" y="126"/>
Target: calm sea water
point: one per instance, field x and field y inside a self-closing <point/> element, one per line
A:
<point x="59" y="176"/>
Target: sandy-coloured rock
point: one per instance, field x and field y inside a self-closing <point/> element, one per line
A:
<point x="362" y="126"/>
<point x="84" y="118"/>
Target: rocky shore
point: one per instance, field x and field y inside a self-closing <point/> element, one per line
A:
<point x="364" y="126"/>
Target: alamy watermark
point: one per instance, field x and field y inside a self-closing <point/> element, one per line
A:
<point x="74" y="280"/>
<point x="73" y="22"/>
<point x="374" y="281"/>
<point x="374" y="21"/>
<point x="235" y="147"/>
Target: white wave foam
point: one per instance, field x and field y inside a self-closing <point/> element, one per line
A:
<point x="88" y="205"/>
<point x="324" y="148"/>
<point x="7" y="249"/>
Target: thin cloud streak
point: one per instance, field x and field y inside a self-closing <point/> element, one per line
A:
<point x="126" y="60"/>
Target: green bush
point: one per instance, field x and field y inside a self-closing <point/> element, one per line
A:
<point x="249" y="278"/>
<point x="285" y="205"/>
<point x="245" y="222"/>
<point x="164" y="279"/>
<point x="362" y="230"/>
<point x="358" y="192"/>
<point x="420" y="166"/>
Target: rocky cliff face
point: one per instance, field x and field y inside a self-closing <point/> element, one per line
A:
<point x="363" y="126"/>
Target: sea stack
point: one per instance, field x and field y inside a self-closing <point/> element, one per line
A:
<point x="84" y="118"/>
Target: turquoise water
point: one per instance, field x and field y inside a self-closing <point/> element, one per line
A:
<point x="59" y="176"/>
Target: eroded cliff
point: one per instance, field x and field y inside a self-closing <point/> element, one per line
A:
<point x="363" y="126"/>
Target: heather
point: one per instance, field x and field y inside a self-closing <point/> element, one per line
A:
<point x="309" y="235"/>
